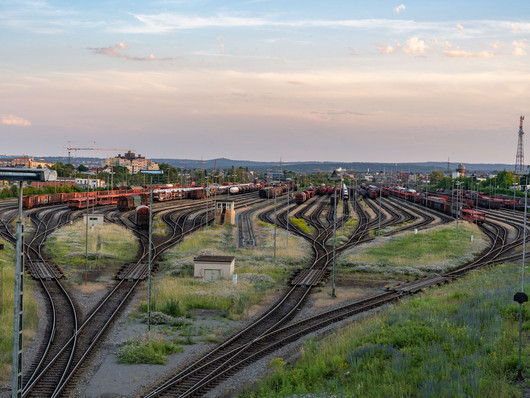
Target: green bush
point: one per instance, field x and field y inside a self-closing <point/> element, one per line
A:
<point x="147" y="352"/>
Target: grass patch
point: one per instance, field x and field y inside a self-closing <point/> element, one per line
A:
<point x="452" y="342"/>
<point x="7" y="296"/>
<point x="144" y="351"/>
<point x="301" y="224"/>
<point x="160" y="228"/>
<point x="256" y="269"/>
<point x="178" y="295"/>
<point x="431" y="251"/>
<point x="108" y="245"/>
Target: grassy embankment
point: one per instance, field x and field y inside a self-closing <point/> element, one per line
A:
<point x="428" y="252"/>
<point x="257" y="272"/>
<point x="7" y="283"/>
<point x="459" y="340"/>
<point x="109" y="245"/>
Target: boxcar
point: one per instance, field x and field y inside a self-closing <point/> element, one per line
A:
<point x="142" y="217"/>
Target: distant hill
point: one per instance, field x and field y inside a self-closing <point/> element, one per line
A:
<point x="301" y="167"/>
<point x="312" y="167"/>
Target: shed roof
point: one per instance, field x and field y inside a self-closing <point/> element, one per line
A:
<point x="215" y="259"/>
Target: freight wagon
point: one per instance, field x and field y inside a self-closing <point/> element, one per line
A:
<point x="142" y="217"/>
<point x="131" y="202"/>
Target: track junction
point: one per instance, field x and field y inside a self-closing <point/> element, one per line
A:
<point x="69" y="348"/>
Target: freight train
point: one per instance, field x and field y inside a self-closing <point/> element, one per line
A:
<point x="101" y="197"/>
<point x="78" y="200"/>
<point x="442" y="203"/>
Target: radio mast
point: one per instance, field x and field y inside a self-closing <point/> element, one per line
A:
<point x="519" y="158"/>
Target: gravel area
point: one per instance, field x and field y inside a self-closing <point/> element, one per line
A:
<point x="106" y="378"/>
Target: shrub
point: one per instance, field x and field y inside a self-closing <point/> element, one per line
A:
<point x="143" y="351"/>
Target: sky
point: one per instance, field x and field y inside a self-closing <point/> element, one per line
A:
<point x="364" y="80"/>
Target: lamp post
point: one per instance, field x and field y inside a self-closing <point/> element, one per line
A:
<point x="333" y="295"/>
<point x="457" y="183"/>
<point x="379" y="226"/>
<point x="514" y="189"/>
<point x="275" y="216"/>
<point x="151" y="173"/>
<point x="521" y="297"/>
<point x="88" y="174"/>
<point x="288" y="203"/>
<point x="20" y="175"/>
<point x="207" y="202"/>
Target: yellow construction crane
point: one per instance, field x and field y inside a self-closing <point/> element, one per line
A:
<point x="94" y="149"/>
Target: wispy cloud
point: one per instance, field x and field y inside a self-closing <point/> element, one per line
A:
<point x="351" y="51"/>
<point x="459" y="26"/>
<point x="116" y="51"/>
<point x="12" y="120"/>
<point x="399" y="8"/>
<point x="221" y="43"/>
<point x="459" y="53"/>
<point x="168" y="22"/>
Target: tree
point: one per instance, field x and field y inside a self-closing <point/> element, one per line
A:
<point x="505" y="179"/>
<point x="436" y="177"/>
<point x="82" y="168"/>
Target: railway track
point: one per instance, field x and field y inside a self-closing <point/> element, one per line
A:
<point x="229" y="362"/>
<point x="253" y="340"/>
<point x="274" y="328"/>
<point x="58" y="371"/>
<point x="59" y="304"/>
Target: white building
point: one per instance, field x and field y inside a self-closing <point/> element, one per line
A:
<point x="91" y="182"/>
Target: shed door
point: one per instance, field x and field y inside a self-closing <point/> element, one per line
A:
<point x="212" y="274"/>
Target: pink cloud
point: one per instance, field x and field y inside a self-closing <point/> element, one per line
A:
<point x="12" y="120"/>
<point x="414" y="46"/>
<point x="459" y="53"/>
<point x="519" y="48"/>
<point x="384" y="49"/>
<point x="399" y="8"/>
<point x="115" y="51"/>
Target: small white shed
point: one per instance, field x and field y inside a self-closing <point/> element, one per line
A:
<point x="213" y="267"/>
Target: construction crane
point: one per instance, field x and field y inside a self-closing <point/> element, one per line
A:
<point x="69" y="149"/>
